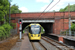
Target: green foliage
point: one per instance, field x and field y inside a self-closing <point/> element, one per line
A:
<point x="42" y="30"/>
<point x="67" y="31"/>
<point x="4" y="10"/>
<point x="5" y="30"/>
<point x="73" y="27"/>
<point x="23" y="31"/>
<point x="72" y="8"/>
<point x="13" y="25"/>
<point x="53" y="11"/>
<point x="4" y="6"/>
<point x="7" y="27"/>
<point x="61" y="10"/>
<point x="14" y="9"/>
<point x="2" y="32"/>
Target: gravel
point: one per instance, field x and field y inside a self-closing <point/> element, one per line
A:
<point x="17" y="46"/>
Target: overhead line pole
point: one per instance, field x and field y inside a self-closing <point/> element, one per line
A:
<point x="69" y="19"/>
<point x="63" y="20"/>
<point x="9" y="11"/>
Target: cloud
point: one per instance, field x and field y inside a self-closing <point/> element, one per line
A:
<point x="23" y="9"/>
<point x="57" y="7"/>
<point x="45" y="1"/>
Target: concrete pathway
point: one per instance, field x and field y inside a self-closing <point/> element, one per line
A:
<point x="26" y="45"/>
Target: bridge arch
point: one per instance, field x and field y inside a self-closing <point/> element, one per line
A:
<point x="46" y="24"/>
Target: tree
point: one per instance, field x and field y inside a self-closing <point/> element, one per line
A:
<point x="4" y="10"/>
<point x="53" y="11"/>
<point x="61" y="10"/>
<point x="72" y="8"/>
<point x="4" y="6"/>
<point x="14" y="9"/>
<point x="73" y="27"/>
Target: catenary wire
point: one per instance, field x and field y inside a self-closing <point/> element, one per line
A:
<point x="52" y="7"/>
<point x="46" y="8"/>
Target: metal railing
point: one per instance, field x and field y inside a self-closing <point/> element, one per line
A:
<point x="13" y="31"/>
<point x="66" y="33"/>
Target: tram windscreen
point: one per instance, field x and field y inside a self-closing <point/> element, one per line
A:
<point x="35" y="29"/>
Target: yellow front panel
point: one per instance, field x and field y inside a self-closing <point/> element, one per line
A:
<point x="29" y="34"/>
<point x="35" y="37"/>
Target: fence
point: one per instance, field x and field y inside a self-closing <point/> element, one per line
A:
<point x="13" y="31"/>
<point x="67" y="33"/>
<point x="4" y="35"/>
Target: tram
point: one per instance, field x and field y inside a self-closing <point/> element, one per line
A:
<point x="34" y="31"/>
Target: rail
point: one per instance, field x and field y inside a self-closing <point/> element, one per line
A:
<point x="58" y="45"/>
<point x="38" y="46"/>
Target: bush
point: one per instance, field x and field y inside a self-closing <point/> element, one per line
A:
<point x="13" y="25"/>
<point x="73" y="27"/>
<point x="5" y="30"/>
<point x="2" y="32"/>
<point x="23" y="31"/>
<point x="7" y="27"/>
<point x="42" y="30"/>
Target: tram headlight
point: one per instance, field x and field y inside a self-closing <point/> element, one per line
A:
<point x="38" y="35"/>
<point x="32" y="35"/>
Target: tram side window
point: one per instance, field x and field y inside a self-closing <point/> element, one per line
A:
<point x="30" y="29"/>
<point x="40" y="29"/>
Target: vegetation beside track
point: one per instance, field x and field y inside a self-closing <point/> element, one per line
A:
<point x="5" y="27"/>
<point x="67" y="31"/>
<point x="73" y="27"/>
<point x="8" y="43"/>
<point x="5" y="31"/>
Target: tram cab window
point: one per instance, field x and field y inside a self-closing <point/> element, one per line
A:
<point x="35" y="29"/>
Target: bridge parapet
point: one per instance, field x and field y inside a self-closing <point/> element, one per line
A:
<point x="60" y="19"/>
<point x="47" y="15"/>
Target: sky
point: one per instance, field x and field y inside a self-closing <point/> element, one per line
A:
<point x="40" y="5"/>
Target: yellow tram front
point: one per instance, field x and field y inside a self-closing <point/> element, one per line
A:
<point x="35" y="32"/>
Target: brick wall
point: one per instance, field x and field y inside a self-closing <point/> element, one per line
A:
<point x="44" y="15"/>
<point x="60" y="23"/>
<point x="61" y="39"/>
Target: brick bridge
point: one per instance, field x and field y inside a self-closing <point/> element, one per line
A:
<point x="53" y="22"/>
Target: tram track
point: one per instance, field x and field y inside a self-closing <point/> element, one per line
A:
<point x="38" y="46"/>
<point x="47" y="43"/>
<point x="58" y="45"/>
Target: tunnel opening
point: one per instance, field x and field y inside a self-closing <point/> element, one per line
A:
<point x="24" y="25"/>
<point x="48" y="27"/>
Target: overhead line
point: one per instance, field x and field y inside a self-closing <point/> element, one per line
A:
<point x="52" y="6"/>
<point x="46" y="8"/>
